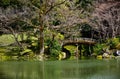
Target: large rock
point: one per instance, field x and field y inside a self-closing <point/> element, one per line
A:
<point x="106" y="55"/>
<point x="117" y="53"/>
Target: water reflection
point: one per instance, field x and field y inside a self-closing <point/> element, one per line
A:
<point x="83" y="69"/>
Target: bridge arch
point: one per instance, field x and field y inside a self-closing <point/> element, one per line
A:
<point x="80" y="44"/>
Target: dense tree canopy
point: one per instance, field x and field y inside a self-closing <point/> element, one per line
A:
<point x="39" y="19"/>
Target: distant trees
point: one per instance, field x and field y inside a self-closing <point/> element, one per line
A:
<point x="14" y="18"/>
<point x="13" y="3"/>
<point x="107" y="18"/>
<point x="59" y="13"/>
<point x="67" y="17"/>
<point x="63" y="15"/>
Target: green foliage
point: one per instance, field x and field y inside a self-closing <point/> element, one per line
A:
<point x="8" y="53"/>
<point x="86" y="51"/>
<point x="110" y="44"/>
<point x="20" y="25"/>
<point x="32" y="42"/>
<point x="55" y="49"/>
<point x="86" y="27"/>
<point x="98" y="49"/>
<point x="52" y="39"/>
<point x="113" y="42"/>
<point x="71" y="48"/>
<point x="53" y="42"/>
<point x="35" y="21"/>
<point x="56" y="22"/>
<point x="6" y="39"/>
<point x="84" y="4"/>
<point x="51" y="35"/>
<point x="118" y="46"/>
<point x="26" y="51"/>
<point x="6" y="3"/>
<point x="59" y="36"/>
<point x="36" y="3"/>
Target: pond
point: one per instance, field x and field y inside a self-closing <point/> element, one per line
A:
<point x="66" y="69"/>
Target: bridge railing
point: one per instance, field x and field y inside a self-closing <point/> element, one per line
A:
<point x="79" y="40"/>
<point x="82" y="39"/>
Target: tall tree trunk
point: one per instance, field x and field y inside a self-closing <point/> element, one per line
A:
<point x="41" y="40"/>
<point x="41" y="36"/>
<point x="43" y="12"/>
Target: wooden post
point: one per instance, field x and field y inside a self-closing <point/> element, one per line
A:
<point x="76" y="53"/>
<point x="91" y="48"/>
<point x="80" y="49"/>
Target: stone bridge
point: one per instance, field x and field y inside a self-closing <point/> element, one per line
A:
<point x="87" y="41"/>
<point x="81" y="43"/>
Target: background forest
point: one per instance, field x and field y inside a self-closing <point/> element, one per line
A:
<point x="37" y="29"/>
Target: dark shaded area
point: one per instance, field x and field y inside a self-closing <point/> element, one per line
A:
<point x="56" y="22"/>
<point x="19" y="25"/>
<point x="6" y="3"/>
<point x="68" y="54"/>
<point x="86" y="51"/>
<point x="86" y="30"/>
<point x="1" y="32"/>
<point x="3" y="76"/>
<point x="116" y="53"/>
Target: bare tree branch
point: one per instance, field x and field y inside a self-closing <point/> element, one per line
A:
<point x="53" y="6"/>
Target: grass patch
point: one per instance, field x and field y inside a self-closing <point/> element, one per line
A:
<point x="71" y="48"/>
<point x="6" y="39"/>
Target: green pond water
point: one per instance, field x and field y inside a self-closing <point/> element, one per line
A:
<point x="67" y="69"/>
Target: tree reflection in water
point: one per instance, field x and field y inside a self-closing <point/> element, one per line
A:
<point x="70" y="69"/>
